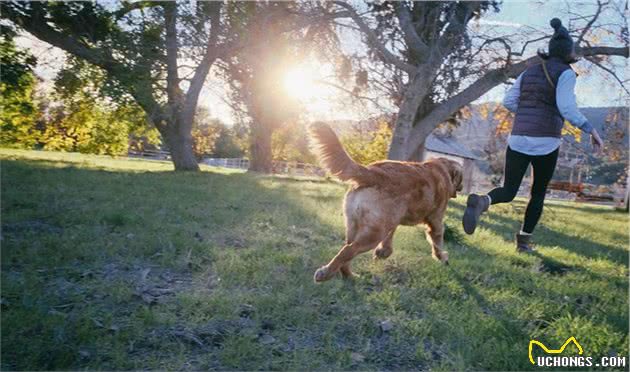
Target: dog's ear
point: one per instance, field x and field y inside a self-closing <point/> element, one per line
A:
<point x="456" y="172"/>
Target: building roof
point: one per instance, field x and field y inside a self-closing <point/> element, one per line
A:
<point x="449" y="146"/>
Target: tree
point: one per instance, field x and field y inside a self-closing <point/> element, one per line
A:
<point x="83" y="123"/>
<point x="18" y="116"/>
<point x="205" y="133"/>
<point x="85" y="120"/>
<point x="227" y="143"/>
<point x="290" y="143"/>
<point x="140" y="47"/>
<point x="256" y="73"/>
<point x="368" y="143"/>
<point x="447" y="65"/>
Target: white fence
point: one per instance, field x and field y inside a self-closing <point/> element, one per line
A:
<point x="279" y="167"/>
<point x="150" y="154"/>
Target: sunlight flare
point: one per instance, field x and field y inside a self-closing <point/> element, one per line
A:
<point x="301" y="82"/>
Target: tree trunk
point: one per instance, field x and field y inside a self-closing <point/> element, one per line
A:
<point x="418" y="153"/>
<point x="402" y="128"/>
<point x="260" y="149"/>
<point x="180" y="144"/>
<point x="415" y="91"/>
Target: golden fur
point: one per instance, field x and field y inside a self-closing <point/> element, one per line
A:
<point x="383" y="195"/>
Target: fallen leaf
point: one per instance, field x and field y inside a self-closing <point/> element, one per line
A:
<point x="357" y="357"/>
<point x="386" y="325"/>
<point x="266" y="339"/>
<point x="144" y="273"/>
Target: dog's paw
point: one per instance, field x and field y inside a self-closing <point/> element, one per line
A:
<point x="443" y="257"/>
<point x="322" y="274"/>
<point x="382" y="253"/>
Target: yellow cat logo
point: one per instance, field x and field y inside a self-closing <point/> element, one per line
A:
<point x="553" y="351"/>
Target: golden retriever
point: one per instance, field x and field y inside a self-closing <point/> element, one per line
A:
<point x="383" y="195"/>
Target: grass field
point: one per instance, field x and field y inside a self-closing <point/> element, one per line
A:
<point x="122" y="264"/>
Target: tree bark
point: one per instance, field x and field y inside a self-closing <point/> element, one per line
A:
<point x="180" y="144"/>
<point x="260" y="149"/>
<point x="418" y="153"/>
<point x="415" y="91"/>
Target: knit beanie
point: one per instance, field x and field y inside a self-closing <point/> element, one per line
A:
<point x="561" y="44"/>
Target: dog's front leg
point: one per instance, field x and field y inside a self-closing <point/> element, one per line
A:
<point x="435" y="236"/>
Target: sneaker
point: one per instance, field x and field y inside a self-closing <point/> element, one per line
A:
<point x="475" y="206"/>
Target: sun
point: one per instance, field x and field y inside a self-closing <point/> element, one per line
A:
<point x="300" y="83"/>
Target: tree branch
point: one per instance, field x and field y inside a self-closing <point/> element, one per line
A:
<point x="586" y="28"/>
<point x="129" y="7"/>
<point x="172" y="77"/>
<point x="456" y="27"/>
<point x="354" y="94"/>
<point x="603" y="50"/>
<point x="35" y="23"/>
<point x="621" y="82"/>
<point x="416" y="46"/>
<point x="477" y="89"/>
<point x="211" y="54"/>
<point x="385" y="55"/>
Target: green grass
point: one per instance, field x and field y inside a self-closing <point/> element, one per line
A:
<point x="119" y="264"/>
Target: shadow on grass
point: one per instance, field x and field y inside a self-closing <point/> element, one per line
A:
<point x="505" y="226"/>
<point x="98" y="292"/>
<point x="247" y="244"/>
<point x="107" y="222"/>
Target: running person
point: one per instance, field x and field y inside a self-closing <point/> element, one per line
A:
<point x="541" y="98"/>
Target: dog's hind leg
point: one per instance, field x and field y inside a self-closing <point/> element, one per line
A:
<point x="385" y="248"/>
<point x="351" y="234"/>
<point x="435" y="236"/>
<point x="351" y="230"/>
<point x="346" y="271"/>
<point x="366" y="239"/>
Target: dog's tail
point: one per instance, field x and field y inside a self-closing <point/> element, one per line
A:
<point x="333" y="157"/>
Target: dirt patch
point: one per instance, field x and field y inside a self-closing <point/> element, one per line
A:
<point x="230" y="240"/>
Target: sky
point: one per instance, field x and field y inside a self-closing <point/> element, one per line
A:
<point x="594" y="88"/>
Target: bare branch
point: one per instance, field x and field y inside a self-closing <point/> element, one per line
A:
<point x="586" y="28"/>
<point x="603" y="50"/>
<point x="601" y="66"/>
<point x="500" y="40"/>
<point x="172" y="78"/>
<point x="373" y="40"/>
<point x="129" y="7"/>
<point x="211" y="54"/>
<point x="520" y="54"/>
<point x="354" y="94"/>
<point x="483" y="85"/>
<point x="456" y="27"/>
<point x="412" y="40"/>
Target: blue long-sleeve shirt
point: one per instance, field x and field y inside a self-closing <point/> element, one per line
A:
<point x="567" y="105"/>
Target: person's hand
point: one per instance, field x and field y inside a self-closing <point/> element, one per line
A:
<point x="598" y="144"/>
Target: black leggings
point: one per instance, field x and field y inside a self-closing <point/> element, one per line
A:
<point x="515" y="166"/>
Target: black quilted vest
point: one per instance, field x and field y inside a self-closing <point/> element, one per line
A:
<point x="537" y="114"/>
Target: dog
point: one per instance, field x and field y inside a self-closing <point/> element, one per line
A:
<point x="382" y="196"/>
